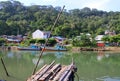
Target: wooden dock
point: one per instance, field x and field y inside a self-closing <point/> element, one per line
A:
<point x="54" y="72"/>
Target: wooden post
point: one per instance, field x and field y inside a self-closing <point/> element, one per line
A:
<point x="4" y="67"/>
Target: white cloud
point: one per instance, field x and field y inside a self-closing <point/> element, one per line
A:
<point x="46" y="1"/>
<point x="97" y="4"/>
<point x="72" y="4"/>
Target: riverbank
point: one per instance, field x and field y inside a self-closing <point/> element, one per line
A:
<point x="95" y="49"/>
<point x="74" y="48"/>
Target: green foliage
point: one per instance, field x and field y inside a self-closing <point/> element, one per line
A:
<point x="39" y="41"/>
<point x="25" y="43"/>
<point x="17" y="17"/>
<point x="51" y="42"/>
<point x="2" y="41"/>
<point x="12" y="44"/>
<point x="32" y="40"/>
<point x="115" y="38"/>
<point x="83" y="41"/>
<point x="111" y="39"/>
<point x="106" y="38"/>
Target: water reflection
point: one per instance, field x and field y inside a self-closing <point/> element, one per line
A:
<point x="10" y="55"/>
<point x="56" y="54"/>
<point x="91" y="65"/>
<point x="59" y="54"/>
<point x="35" y="60"/>
<point x="28" y="55"/>
<point x="108" y="78"/>
<point x="100" y="55"/>
<point x="103" y="54"/>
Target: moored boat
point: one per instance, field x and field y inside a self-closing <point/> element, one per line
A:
<point x="30" y="48"/>
<point x="56" y="48"/>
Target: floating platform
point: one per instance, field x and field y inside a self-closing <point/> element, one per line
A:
<point x="54" y="72"/>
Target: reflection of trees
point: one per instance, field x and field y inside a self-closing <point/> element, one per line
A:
<point x="100" y="55"/>
<point x="34" y="60"/>
<point x="110" y="58"/>
<point x="1" y="55"/>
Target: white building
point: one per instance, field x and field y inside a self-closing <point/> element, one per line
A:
<point x="40" y="34"/>
<point x="99" y="37"/>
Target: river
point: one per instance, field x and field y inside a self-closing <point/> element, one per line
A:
<point x="91" y="66"/>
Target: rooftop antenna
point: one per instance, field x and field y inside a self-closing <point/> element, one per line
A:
<point x="58" y="17"/>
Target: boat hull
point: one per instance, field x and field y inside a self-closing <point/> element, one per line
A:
<point x="53" y="49"/>
<point x="29" y="49"/>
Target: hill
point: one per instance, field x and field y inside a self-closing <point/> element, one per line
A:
<point x="16" y="18"/>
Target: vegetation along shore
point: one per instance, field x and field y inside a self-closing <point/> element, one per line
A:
<point x="77" y="27"/>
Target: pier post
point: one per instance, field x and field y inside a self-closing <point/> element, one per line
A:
<point x="4" y="67"/>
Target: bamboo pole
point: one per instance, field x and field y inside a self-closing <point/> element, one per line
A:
<point x="49" y="73"/>
<point x="4" y="67"/>
<point x="37" y="73"/>
<point x="44" y="71"/>
<point x="60" y="73"/>
<point x="47" y="40"/>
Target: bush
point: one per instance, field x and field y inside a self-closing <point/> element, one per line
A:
<point x="2" y="41"/>
<point x="51" y="42"/>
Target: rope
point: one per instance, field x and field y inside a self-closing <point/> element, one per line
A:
<point x="74" y="70"/>
<point x="47" y="40"/>
<point x="77" y="76"/>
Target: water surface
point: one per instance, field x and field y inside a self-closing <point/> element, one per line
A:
<point x="92" y="66"/>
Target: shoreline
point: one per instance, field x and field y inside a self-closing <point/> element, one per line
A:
<point x="95" y="49"/>
<point x="75" y="48"/>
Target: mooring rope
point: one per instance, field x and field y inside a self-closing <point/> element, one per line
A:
<point x="77" y="76"/>
<point x="75" y="72"/>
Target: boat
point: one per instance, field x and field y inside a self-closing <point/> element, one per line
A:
<point x="30" y="48"/>
<point x="56" y="48"/>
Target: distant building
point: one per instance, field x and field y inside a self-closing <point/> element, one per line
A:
<point x="108" y="32"/>
<point x="100" y="43"/>
<point x="14" y="39"/>
<point x="59" y="39"/>
<point x="40" y="34"/>
<point x="99" y="37"/>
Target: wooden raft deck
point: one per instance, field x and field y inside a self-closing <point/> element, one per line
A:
<point x="54" y="72"/>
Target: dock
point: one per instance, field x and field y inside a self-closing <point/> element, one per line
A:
<point x="54" y="72"/>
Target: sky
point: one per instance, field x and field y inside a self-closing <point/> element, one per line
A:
<point x="105" y="5"/>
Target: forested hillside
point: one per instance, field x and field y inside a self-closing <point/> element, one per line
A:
<point x="16" y="18"/>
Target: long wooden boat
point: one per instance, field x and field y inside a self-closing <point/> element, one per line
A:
<point x="52" y="49"/>
<point x="28" y="48"/>
<point x="56" y="48"/>
<point x="31" y="48"/>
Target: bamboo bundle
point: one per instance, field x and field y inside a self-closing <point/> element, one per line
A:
<point x="67" y="73"/>
<point x="37" y="73"/>
<point x="49" y="73"/>
<point x="53" y="72"/>
<point x="60" y="73"/>
<point x="42" y="72"/>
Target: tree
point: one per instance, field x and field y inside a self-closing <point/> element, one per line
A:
<point x="2" y="41"/>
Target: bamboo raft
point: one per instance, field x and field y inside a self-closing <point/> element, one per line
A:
<point x="55" y="72"/>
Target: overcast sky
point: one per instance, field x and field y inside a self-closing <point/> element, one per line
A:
<point x="106" y="5"/>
